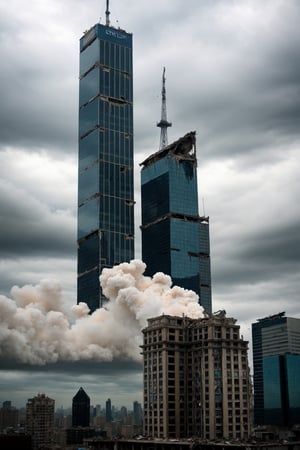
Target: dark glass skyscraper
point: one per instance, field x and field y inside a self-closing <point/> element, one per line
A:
<point x="108" y="410"/>
<point x="276" y="365"/>
<point x="81" y="409"/>
<point x="105" y="184"/>
<point x="175" y="239"/>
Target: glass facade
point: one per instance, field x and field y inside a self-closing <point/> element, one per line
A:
<point x="105" y="181"/>
<point x="175" y="240"/>
<point x="276" y="366"/>
<point x="273" y="394"/>
<point x="282" y="389"/>
<point x="292" y="371"/>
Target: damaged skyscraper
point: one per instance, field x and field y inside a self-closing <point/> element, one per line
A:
<point x="175" y="239"/>
<point x="105" y="181"/>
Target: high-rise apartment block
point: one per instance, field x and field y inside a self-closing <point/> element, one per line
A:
<point x="105" y="181"/>
<point x="276" y="367"/>
<point x="196" y="378"/>
<point x="40" y="420"/>
<point x="175" y="239"/>
<point x="81" y="409"/>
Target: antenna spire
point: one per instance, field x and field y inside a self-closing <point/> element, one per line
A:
<point x="163" y="124"/>
<point x="107" y="13"/>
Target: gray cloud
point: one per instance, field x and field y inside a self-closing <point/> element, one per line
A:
<point x="122" y="382"/>
<point x="31" y="227"/>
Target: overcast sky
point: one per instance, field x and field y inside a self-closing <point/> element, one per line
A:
<point x="233" y="75"/>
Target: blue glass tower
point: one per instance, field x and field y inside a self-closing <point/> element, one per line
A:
<point x="281" y="389"/>
<point x="276" y="366"/>
<point x="105" y="181"/>
<point x="175" y="239"/>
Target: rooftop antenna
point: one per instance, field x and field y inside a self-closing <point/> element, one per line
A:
<point x="163" y="124"/>
<point x="107" y="13"/>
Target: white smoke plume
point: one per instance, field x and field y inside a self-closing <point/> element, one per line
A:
<point x="36" y="327"/>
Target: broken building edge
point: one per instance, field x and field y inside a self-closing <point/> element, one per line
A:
<point x="182" y="149"/>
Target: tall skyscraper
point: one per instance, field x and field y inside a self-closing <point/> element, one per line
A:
<point x="175" y="239"/>
<point x="81" y="409"/>
<point x="108" y="411"/>
<point x="276" y="368"/>
<point x="105" y="181"/>
<point x="40" y="420"/>
<point x="196" y="378"/>
<point x="137" y="414"/>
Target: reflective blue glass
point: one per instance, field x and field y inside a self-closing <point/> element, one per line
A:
<point x="89" y="57"/>
<point x="273" y="383"/>
<point x="89" y="86"/>
<point x="281" y="389"/>
<point x="89" y="150"/>
<point x="88" y="288"/>
<point x="88" y="118"/>
<point x="88" y="183"/>
<point x="276" y="371"/>
<point x="175" y="240"/>
<point x="88" y="215"/>
<point x="292" y="373"/>
<point x="105" y="185"/>
<point x="88" y="253"/>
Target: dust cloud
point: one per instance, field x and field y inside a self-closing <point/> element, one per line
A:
<point x="37" y="328"/>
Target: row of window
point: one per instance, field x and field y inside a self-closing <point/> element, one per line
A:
<point x="101" y="81"/>
<point x="104" y="114"/>
<point x="108" y="53"/>
<point x="107" y="146"/>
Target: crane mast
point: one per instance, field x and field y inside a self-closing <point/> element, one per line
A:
<point x="163" y="124"/>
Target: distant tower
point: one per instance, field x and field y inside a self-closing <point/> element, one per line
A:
<point x="276" y="367"/>
<point x="108" y="412"/>
<point x="40" y="420"/>
<point x="137" y="414"/>
<point x="81" y="409"/>
<point x="163" y="124"/>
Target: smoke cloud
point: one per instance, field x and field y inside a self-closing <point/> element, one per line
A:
<point x="37" y="328"/>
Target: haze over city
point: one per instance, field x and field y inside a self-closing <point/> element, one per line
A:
<point x="232" y="72"/>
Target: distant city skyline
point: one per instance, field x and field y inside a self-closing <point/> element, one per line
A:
<point x="68" y="407"/>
